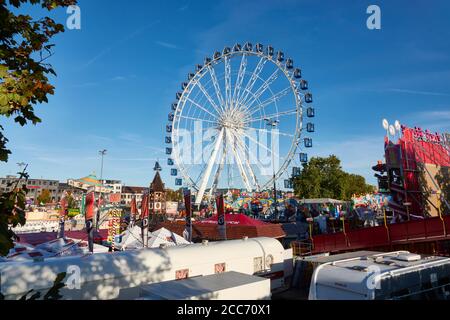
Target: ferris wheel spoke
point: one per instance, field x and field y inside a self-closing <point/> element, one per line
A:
<point x="200" y="107"/>
<point x="251" y="82"/>
<point x="216" y="85"/>
<point x="198" y="119"/>
<point x="260" y="144"/>
<point x="209" y="168"/>
<point x="240" y="77"/>
<point x="262" y="89"/>
<point x="230" y="138"/>
<point x="277" y="96"/>
<point x="275" y="115"/>
<point x="227" y="82"/>
<point x="208" y="97"/>
<point x="279" y="133"/>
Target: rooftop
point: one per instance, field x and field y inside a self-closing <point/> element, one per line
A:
<point x="134" y="190"/>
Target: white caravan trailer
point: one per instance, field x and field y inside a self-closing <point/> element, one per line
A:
<point x="119" y="275"/>
<point x="382" y="276"/>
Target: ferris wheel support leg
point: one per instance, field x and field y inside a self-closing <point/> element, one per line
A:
<point x="249" y="167"/>
<point x="239" y="162"/>
<point x="208" y="170"/>
<point x="219" y="169"/>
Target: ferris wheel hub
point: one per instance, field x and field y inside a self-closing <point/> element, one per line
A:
<point x="232" y="119"/>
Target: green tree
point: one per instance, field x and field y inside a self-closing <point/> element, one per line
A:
<point x="324" y="178"/>
<point x="71" y="203"/>
<point x="354" y="184"/>
<point x="12" y="212"/>
<point x="24" y="50"/>
<point x="45" y="197"/>
<point x="174" y="195"/>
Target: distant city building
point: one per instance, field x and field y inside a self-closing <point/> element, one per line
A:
<point x="115" y="185"/>
<point x="34" y="186"/>
<point x="129" y="192"/>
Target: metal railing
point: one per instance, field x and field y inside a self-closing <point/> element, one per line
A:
<point x="302" y="247"/>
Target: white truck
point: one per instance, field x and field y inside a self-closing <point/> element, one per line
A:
<point x="382" y="276"/>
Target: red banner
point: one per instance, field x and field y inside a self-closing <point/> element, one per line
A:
<point x="220" y="210"/>
<point x="133" y="207"/>
<point x="63" y="204"/>
<point x="90" y="206"/>
<point x="221" y="216"/>
<point x="144" y="206"/>
<point x="188" y="205"/>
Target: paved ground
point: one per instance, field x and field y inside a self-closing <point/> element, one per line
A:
<point x="291" y="294"/>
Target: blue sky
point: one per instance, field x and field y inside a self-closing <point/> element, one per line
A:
<point x="118" y="75"/>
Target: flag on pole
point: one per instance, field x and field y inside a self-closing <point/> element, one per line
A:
<point x="221" y="216"/>
<point x="144" y="207"/>
<point x="144" y="219"/>
<point x="90" y="206"/>
<point x="133" y="208"/>
<point x="187" y="234"/>
<point x="63" y="205"/>
<point x="62" y="214"/>
<point x="83" y="204"/>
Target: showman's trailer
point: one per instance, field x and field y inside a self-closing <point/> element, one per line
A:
<point x="120" y="275"/>
<point x="396" y="275"/>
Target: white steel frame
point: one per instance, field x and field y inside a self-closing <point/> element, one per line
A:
<point x="238" y="102"/>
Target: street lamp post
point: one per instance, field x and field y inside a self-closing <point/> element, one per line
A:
<point x="102" y="153"/>
<point x="272" y="124"/>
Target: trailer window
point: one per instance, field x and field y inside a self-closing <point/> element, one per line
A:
<point x="257" y="264"/>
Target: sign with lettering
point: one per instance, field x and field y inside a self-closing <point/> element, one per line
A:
<point x="427" y="136"/>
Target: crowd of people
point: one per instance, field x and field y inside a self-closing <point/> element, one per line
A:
<point x="361" y="212"/>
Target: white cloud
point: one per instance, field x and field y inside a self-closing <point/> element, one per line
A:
<point x="427" y="93"/>
<point x="118" y="78"/>
<point x="166" y="45"/>
<point x="184" y="7"/>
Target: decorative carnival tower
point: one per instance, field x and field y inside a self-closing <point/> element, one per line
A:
<point x="157" y="193"/>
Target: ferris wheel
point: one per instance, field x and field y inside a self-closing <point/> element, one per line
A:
<point x="238" y="121"/>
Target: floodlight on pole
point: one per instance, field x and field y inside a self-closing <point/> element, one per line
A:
<point x="392" y="130"/>
<point x="102" y="153"/>
<point x="273" y="124"/>
<point x="385" y="124"/>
